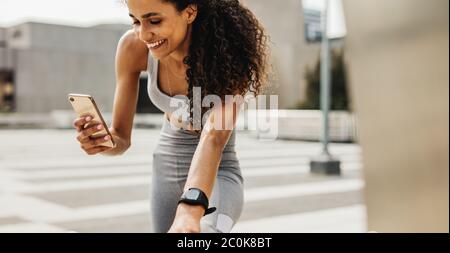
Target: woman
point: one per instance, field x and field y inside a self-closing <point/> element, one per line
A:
<point x="217" y="46"/>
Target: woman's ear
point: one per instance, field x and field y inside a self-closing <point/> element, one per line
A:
<point x="191" y="13"/>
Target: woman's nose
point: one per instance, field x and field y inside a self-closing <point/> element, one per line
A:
<point x="146" y="35"/>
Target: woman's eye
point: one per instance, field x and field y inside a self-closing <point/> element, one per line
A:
<point x="155" y="22"/>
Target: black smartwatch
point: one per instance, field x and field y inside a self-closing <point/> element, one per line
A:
<point x="196" y="197"/>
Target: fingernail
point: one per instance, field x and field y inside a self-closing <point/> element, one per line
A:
<point x="106" y="138"/>
<point x="99" y="127"/>
<point x="88" y="118"/>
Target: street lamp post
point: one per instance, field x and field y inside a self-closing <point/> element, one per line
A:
<point x="325" y="163"/>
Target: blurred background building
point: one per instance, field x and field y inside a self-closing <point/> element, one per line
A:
<point x="45" y="61"/>
<point x="291" y="53"/>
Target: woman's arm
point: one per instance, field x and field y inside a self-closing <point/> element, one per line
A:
<point x="131" y="59"/>
<point x="205" y="163"/>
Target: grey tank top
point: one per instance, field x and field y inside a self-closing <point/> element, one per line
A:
<point x="170" y="104"/>
<point x="160" y="99"/>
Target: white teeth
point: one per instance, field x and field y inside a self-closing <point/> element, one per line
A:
<point x="152" y="45"/>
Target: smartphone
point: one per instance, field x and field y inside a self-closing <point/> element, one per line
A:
<point x="85" y="105"/>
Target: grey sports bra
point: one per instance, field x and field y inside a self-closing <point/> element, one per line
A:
<point x="160" y="99"/>
<point x="165" y="102"/>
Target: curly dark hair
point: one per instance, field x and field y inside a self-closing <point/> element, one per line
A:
<point x="228" y="54"/>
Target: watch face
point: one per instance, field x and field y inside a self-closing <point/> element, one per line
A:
<point x="192" y="194"/>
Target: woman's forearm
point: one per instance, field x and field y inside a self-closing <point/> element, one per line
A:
<point x="203" y="171"/>
<point x="204" y="165"/>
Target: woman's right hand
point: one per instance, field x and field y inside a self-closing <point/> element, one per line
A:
<point x="89" y="144"/>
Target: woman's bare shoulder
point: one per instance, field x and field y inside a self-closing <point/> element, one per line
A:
<point x="132" y="51"/>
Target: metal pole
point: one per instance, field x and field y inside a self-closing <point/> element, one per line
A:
<point x="325" y="163"/>
<point x="325" y="79"/>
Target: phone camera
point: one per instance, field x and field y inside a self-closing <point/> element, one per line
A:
<point x="72" y="99"/>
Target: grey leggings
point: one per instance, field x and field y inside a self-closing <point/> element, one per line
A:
<point x="171" y="162"/>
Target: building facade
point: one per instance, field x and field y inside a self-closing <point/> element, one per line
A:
<point x="46" y="62"/>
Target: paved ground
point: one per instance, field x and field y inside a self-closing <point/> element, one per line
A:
<point x="48" y="185"/>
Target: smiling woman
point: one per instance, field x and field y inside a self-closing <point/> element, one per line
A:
<point x="225" y="43"/>
<point x="217" y="46"/>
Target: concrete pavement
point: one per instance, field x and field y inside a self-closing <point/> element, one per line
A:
<point x="47" y="184"/>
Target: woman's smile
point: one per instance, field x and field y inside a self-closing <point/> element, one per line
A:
<point x="156" y="45"/>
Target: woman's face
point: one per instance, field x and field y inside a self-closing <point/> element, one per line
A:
<point x="161" y="26"/>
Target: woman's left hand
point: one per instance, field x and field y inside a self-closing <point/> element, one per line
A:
<point x="187" y="219"/>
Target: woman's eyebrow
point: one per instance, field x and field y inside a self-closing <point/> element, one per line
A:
<point x="150" y="14"/>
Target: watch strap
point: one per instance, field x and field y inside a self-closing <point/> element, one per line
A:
<point x="201" y="200"/>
